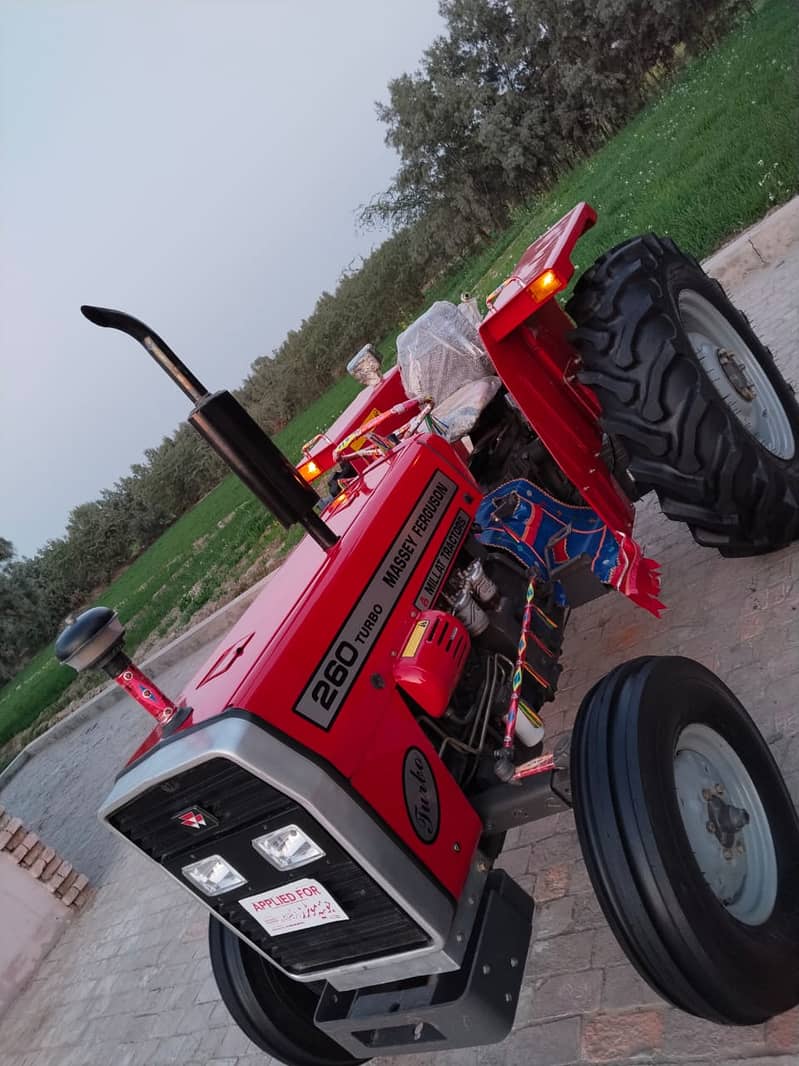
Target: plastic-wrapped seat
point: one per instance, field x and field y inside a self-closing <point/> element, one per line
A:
<point x="441" y="358"/>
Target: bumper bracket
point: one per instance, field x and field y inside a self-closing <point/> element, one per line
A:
<point x="474" y="1005"/>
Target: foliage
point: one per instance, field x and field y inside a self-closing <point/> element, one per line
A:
<point x="516" y="92"/>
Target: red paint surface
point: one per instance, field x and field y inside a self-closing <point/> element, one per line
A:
<point x="140" y="688"/>
<point x="514" y="302"/>
<point x="529" y="346"/>
<point x="387" y="394"/>
<point x="287" y="629"/>
<point x="429" y="673"/>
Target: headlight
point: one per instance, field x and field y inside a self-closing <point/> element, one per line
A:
<point x="288" y="848"/>
<point x="213" y="875"/>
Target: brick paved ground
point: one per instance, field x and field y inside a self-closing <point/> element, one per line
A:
<point x="130" y="981"/>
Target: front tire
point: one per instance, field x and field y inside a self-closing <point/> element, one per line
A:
<point x="690" y="839"/>
<point x="694" y="397"/>
<point x="276" y="1013"/>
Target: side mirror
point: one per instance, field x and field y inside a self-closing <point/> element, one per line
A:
<point x="91" y="640"/>
<point x="94" y="642"/>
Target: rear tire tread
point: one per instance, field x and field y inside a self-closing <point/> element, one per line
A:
<point x="705" y="467"/>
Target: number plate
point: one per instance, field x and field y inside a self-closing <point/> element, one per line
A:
<point x="300" y="905"/>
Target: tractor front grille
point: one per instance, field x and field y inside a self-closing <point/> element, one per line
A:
<point x="245" y="807"/>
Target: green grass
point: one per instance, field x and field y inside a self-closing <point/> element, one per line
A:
<point x="709" y="157"/>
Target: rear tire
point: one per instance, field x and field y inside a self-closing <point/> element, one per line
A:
<point x="274" y="1011"/>
<point x="655" y="335"/>
<point x="711" y="922"/>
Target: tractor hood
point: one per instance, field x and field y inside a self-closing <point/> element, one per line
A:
<point x="365" y="591"/>
<point x="311" y="662"/>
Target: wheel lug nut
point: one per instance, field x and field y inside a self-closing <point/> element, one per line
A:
<point x="719" y="790"/>
<point x="710" y="827"/>
<point x="727" y="853"/>
<point x="707" y="794"/>
<point x="740" y="849"/>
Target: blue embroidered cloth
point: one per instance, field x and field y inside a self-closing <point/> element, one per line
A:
<point x="543" y="533"/>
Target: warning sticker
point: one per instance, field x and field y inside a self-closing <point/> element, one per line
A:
<point x="415" y="639"/>
<point x="300" y="905"/>
<point x="359" y="443"/>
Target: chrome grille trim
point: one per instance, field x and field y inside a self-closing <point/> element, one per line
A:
<point x="290" y="772"/>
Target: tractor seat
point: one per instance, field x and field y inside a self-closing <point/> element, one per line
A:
<point x="457" y="416"/>
<point x="442" y="359"/>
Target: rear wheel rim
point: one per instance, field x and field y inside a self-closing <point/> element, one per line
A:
<point x="736" y="374"/>
<point x="726" y="824"/>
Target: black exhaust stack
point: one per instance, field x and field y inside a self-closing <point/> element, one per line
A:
<point x="232" y="433"/>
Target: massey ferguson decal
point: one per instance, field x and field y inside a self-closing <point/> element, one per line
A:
<point x="332" y="680"/>
<point x="196" y="818"/>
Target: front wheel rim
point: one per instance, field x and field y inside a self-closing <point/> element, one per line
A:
<point x="736" y="374"/>
<point x="726" y="824"/>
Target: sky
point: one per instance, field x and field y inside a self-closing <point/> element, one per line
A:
<point x="197" y="163"/>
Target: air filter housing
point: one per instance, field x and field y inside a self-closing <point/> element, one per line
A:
<point x="431" y="662"/>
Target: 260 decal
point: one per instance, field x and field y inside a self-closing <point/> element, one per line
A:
<point x="334" y="674"/>
<point x="332" y="680"/>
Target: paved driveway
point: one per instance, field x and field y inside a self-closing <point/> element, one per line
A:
<point x="130" y="983"/>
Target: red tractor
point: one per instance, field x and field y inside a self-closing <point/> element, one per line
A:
<point x="335" y="783"/>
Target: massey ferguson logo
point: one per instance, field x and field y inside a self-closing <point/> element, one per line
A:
<point x="196" y="818"/>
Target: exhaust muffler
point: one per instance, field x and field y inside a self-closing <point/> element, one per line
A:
<point x="233" y="434"/>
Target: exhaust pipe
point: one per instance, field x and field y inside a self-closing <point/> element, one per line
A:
<point x="232" y="433"/>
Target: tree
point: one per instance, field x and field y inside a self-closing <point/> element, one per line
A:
<point x="21" y="613"/>
<point x="515" y="92"/>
